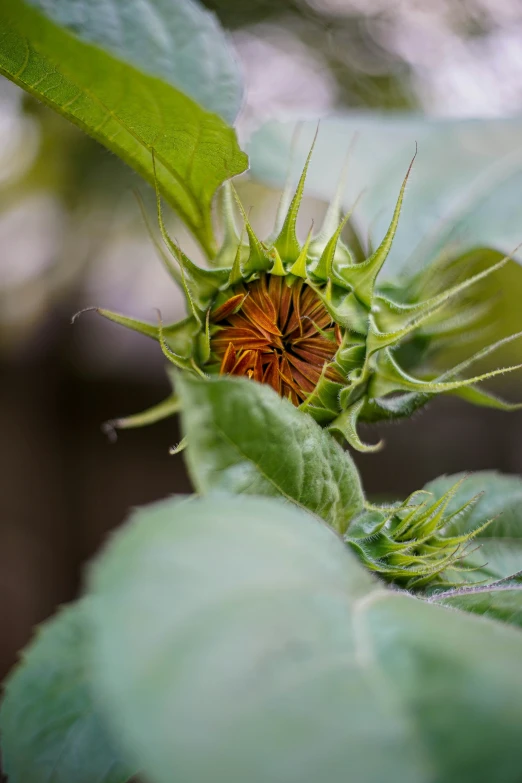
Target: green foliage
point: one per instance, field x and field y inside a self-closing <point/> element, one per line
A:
<point x="498" y="601"/>
<point x="132" y="102"/>
<point x="239" y="639"/>
<point x="244" y="439"/>
<point x="52" y="729"/>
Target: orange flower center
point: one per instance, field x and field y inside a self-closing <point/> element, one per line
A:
<point x="276" y="334"/>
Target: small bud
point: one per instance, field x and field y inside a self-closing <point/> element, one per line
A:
<point x="407" y="544"/>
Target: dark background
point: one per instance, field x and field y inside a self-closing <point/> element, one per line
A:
<point x="63" y="486"/>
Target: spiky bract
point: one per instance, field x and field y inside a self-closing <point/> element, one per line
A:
<point x="311" y="320"/>
<point x="407" y="543"/>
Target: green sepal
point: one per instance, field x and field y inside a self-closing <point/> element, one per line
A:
<point x="201" y="285"/>
<point x="346" y="424"/>
<point x="324" y="268"/>
<point x="321" y="415"/>
<point x="149" y="330"/>
<point x="299" y="267"/>
<point x="179" y="447"/>
<point x="171" y="268"/>
<point x="350" y="356"/>
<point x="203" y="343"/>
<point x="236" y="273"/>
<point x="390" y="378"/>
<point x="182" y="362"/>
<point x="331" y="221"/>
<point x="391" y="408"/>
<point x="179" y="335"/>
<point x="277" y="265"/>
<point x="352" y="392"/>
<point x="344" y="308"/>
<point x="162" y="410"/>
<point x="227" y="252"/>
<point x="258" y="259"/>
<point x="287" y="244"/>
<point x="325" y="396"/>
<point x="402" y="406"/>
<point x="481" y="354"/>
<point x="408" y="318"/>
<point x="327" y="392"/>
<point x="362" y="277"/>
<point x="485" y="399"/>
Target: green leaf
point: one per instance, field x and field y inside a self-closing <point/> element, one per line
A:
<point x="453" y="672"/>
<point x="238" y="639"/>
<point x="52" y="730"/>
<point x="500" y="553"/>
<point x="243" y="438"/>
<point x="93" y="63"/>
<point x="500" y="601"/>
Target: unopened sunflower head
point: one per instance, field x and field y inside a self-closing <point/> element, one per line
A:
<point x="310" y="320"/>
<point x="408" y="544"/>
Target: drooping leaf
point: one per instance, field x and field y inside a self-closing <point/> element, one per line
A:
<point x="257" y="648"/>
<point x="243" y="438"/>
<point x="51" y="729"/>
<point x="118" y="71"/>
<point x="500" y="544"/>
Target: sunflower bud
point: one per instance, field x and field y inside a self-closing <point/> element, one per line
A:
<point x="407" y="543"/>
<point x="311" y="321"/>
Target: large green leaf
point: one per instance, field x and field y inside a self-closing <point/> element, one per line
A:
<point x="243" y="438"/>
<point x="238" y="639"/>
<point x="52" y="731"/>
<point x="93" y="63"/>
<point x="501" y="601"/>
<point x="500" y="552"/>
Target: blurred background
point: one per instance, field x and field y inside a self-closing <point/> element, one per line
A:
<point x="71" y="236"/>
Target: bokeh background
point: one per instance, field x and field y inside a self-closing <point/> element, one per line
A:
<point x="71" y="236"/>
